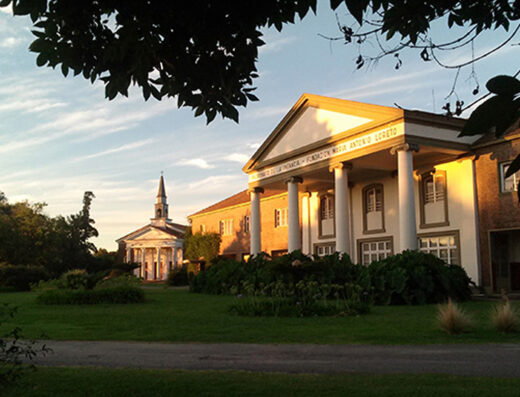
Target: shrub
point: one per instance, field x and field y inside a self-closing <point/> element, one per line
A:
<point x="505" y="318"/>
<point x="415" y="277"/>
<point x="178" y="277"/>
<point x="452" y="319"/>
<point x="21" y="277"/>
<point x="120" y="294"/>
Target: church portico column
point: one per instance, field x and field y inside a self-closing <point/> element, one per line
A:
<point x="128" y="257"/>
<point x="158" y="264"/>
<point x="341" y="214"/>
<point x="294" y="234"/>
<point x="256" y="238"/>
<point x="143" y="261"/>
<point x="405" y="181"/>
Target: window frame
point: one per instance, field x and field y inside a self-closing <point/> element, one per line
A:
<point x="502" y="179"/>
<point x="222" y="227"/>
<point x="382" y="239"/>
<point x="331" y="200"/>
<point x="247" y="224"/>
<point x="364" y="192"/>
<point x="448" y="233"/>
<point x="322" y="245"/>
<point x="283" y="220"/>
<point x="422" y="198"/>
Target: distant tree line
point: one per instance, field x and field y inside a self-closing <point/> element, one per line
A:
<point x="29" y="237"/>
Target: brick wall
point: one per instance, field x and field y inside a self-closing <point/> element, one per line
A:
<point x="238" y="243"/>
<point x="496" y="210"/>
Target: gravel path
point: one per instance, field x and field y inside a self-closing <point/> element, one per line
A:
<point x="495" y="360"/>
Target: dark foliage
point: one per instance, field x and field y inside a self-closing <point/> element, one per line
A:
<point x="204" y="52"/>
<point x="415" y="277"/>
<point x="120" y="295"/>
<point x="13" y="349"/>
<point x="21" y="277"/>
<point x="409" y="278"/>
<point x="178" y="277"/>
<point x="201" y="245"/>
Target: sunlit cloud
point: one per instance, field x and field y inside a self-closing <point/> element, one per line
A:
<point x="237" y="157"/>
<point x="123" y="148"/>
<point x="276" y="45"/>
<point x="200" y="163"/>
<point x="10" y="42"/>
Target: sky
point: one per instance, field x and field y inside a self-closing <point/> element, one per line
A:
<point x="60" y="137"/>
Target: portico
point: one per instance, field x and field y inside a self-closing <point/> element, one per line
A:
<point x="364" y="180"/>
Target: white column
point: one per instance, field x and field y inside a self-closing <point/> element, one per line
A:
<point x="405" y="180"/>
<point x="143" y="261"/>
<point x="306" y="231"/>
<point x="128" y="255"/>
<point x="294" y="238"/>
<point x="158" y="266"/>
<point x="341" y="195"/>
<point x="254" y="221"/>
<point x="174" y="258"/>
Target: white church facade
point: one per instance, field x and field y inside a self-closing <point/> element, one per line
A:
<point x="157" y="246"/>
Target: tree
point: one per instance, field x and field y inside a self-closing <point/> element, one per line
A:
<point x="204" y="52"/>
<point x="201" y="245"/>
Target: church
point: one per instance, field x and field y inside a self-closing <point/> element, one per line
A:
<point x="371" y="181"/>
<point x="157" y="246"/>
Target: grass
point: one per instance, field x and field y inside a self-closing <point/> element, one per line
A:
<point x="179" y="316"/>
<point x="126" y="382"/>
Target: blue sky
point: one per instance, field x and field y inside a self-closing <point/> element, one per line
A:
<point x="60" y="137"/>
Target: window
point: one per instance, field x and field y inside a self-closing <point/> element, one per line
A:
<point x="374" y="250"/>
<point x="246" y="224"/>
<point x="508" y="184"/>
<point x="278" y="253"/>
<point x="280" y="217"/>
<point x="373" y="209"/>
<point x="324" y="249"/>
<point x="374" y="198"/>
<point x="444" y="247"/>
<point x="202" y="228"/>
<point x="226" y="227"/>
<point x="327" y="207"/>
<point x="433" y="198"/>
<point x="434" y="187"/>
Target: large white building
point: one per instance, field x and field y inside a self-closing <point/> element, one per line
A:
<point x="157" y="246"/>
<point x="366" y="180"/>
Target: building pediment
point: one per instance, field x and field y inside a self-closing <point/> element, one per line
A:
<point x="151" y="232"/>
<point x="315" y="121"/>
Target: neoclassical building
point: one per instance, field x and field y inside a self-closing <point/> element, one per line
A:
<point x="371" y="181"/>
<point x="157" y="246"/>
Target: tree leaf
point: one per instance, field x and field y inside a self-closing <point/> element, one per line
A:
<point x="503" y="85"/>
<point x="498" y="111"/>
<point x="513" y="167"/>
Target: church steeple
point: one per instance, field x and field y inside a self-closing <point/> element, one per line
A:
<point x="161" y="205"/>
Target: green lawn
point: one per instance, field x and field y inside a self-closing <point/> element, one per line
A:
<point x="118" y="382"/>
<point x="180" y="316"/>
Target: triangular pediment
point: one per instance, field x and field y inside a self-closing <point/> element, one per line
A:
<point x="316" y="120"/>
<point x="149" y="233"/>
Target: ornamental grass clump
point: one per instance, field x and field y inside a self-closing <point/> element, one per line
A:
<point x="505" y="318"/>
<point x="452" y="319"/>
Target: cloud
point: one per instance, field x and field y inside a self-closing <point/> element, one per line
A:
<point x="254" y="145"/>
<point x="123" y="148"/>
<point x="267" y="111"/>
<point x="237" y="157"/>
<point x="10" y="42"/>
<point x="200" y="163"/>
<point x="276" y="45"/>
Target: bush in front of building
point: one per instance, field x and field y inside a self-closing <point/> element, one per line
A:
<point x="412" y="277"/>
<point x="119" y="295"/>
<point x="75" y="288"/>
<point x="178" y="277"/>
<point x="415" y="277"/>
<point x="20" y="277"/>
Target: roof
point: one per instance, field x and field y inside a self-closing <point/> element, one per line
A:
<point x="236" y="199"/>
<point x="162" y="191"/>
<point x="170" y="228"/>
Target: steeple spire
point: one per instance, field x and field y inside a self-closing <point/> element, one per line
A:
<point x="161" y="205"/>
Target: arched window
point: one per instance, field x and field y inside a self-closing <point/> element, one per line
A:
<point x="158" y="213"/>
<point x="373" y="209"/>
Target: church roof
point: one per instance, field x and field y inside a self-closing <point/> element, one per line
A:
<point x="174" y="229"/>
<point x="236" y="199"/>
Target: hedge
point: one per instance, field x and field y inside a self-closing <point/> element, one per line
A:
<point x="121" y="294"/>
<point x="20" y="277"/>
